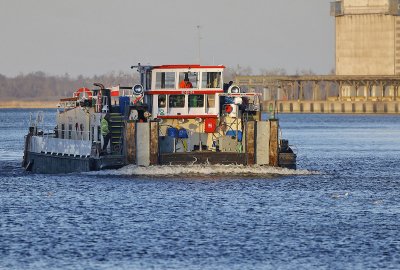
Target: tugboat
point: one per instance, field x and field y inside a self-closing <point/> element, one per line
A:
<point x="177" y="115"/>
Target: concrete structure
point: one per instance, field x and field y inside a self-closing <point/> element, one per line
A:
<point x="326" y="94"/>
<point x="367" y="37"/>
<point x="367" y="66"/>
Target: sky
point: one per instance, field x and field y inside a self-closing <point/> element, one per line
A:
<point x="93" y="37"/>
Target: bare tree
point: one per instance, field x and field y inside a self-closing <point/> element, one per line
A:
<point x="273" y="72"/>
<point x="40" y="86"/>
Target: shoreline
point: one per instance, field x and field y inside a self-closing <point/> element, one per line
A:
<point x="28" y="104"/>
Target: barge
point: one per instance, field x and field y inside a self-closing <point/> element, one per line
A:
<point x="177" y="115"/>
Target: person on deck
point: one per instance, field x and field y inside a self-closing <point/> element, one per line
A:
<point x="105" y="131"/>
<point x="185" y="83"/>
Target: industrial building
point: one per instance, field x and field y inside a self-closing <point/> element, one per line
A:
<point x="367" y="37"/>
<point x="367" y="66"/>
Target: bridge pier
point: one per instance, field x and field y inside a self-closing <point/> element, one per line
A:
<point x="327" y="94"/>
<point x="337" y="107"/>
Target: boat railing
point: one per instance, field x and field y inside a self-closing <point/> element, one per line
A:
<point x="67" y="134"/>
<point x="53" y="145"/>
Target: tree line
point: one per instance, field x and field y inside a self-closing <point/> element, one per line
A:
<point x="41" y="86"/>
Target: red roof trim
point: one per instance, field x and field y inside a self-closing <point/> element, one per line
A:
<point x="187" y="66"/>
<point x="185" y="91"/>
<point x="191" y="116"/>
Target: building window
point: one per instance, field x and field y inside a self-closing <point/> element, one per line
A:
<point x="165" y="80"/>
<point x="177" y="101"/>
<point x="211" y="80"/>
<point x="196" y="101"/>
<point x="162" y="101"/>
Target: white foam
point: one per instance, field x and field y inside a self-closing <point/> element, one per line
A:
<point x="230" y="170"/>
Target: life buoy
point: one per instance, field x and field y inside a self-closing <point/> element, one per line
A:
<point x="228" y="108"/>
<point x="139" y="98"/>
<point x="84" y="90"/>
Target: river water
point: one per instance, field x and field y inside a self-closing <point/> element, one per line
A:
<point x="340" y="210"/>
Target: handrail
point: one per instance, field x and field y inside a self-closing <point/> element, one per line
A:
<point x="82" y="135"/>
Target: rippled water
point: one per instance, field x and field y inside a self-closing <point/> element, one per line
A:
<point x="341" y="210"/>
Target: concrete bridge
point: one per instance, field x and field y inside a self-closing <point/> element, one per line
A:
<point x="326" y="94"/>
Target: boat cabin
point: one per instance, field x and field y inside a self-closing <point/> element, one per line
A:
<point x="192" y="99"/>
<point x="186" y="91"/>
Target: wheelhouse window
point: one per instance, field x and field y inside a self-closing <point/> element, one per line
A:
<point x="188" y="79"/>
<point x="210" y="101"/>
<point x="211" y="80"/>
<point x="176" y="101"/>
<point x="165" y="80"/>
<point x="162" y="101"/>
<point x="196" y="101"/>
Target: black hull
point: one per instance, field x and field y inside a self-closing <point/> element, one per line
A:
<point x="287" y="160"/>
<point x="56" y="164"/>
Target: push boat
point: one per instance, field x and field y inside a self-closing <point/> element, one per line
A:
<point x="177" y="115"/>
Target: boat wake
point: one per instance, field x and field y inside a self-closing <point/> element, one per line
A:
<point x="224" y="170"/>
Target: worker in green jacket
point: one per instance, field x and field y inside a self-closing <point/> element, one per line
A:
<point x="105" y="131"/>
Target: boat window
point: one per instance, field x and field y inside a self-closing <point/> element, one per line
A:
<point x="196" y="101"/>
<point x="210" y="101"/>
<point x="70" y="131"/>
<point x="162" y="99"/>
<point x="211" y="80"/>
<point x="177" y="101"/>
<point x="62" y="131"/>
<point x="188" y="79"/>
<point x="165" y="80"/>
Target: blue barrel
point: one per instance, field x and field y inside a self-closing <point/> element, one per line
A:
<point x="182" y="133"/>
<point x="123" y="103"/>
<point x="264" y="116"/>
<point x="233" y="133"/>
<point x="172" y="132"/>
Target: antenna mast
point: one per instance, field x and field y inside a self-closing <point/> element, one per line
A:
<point x="199" y="40"/>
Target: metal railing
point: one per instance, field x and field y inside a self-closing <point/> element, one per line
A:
<point x="72" y="134"/>
<point x="52" y="145"/>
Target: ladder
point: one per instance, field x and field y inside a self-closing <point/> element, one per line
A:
<point x="116" y="126"/>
